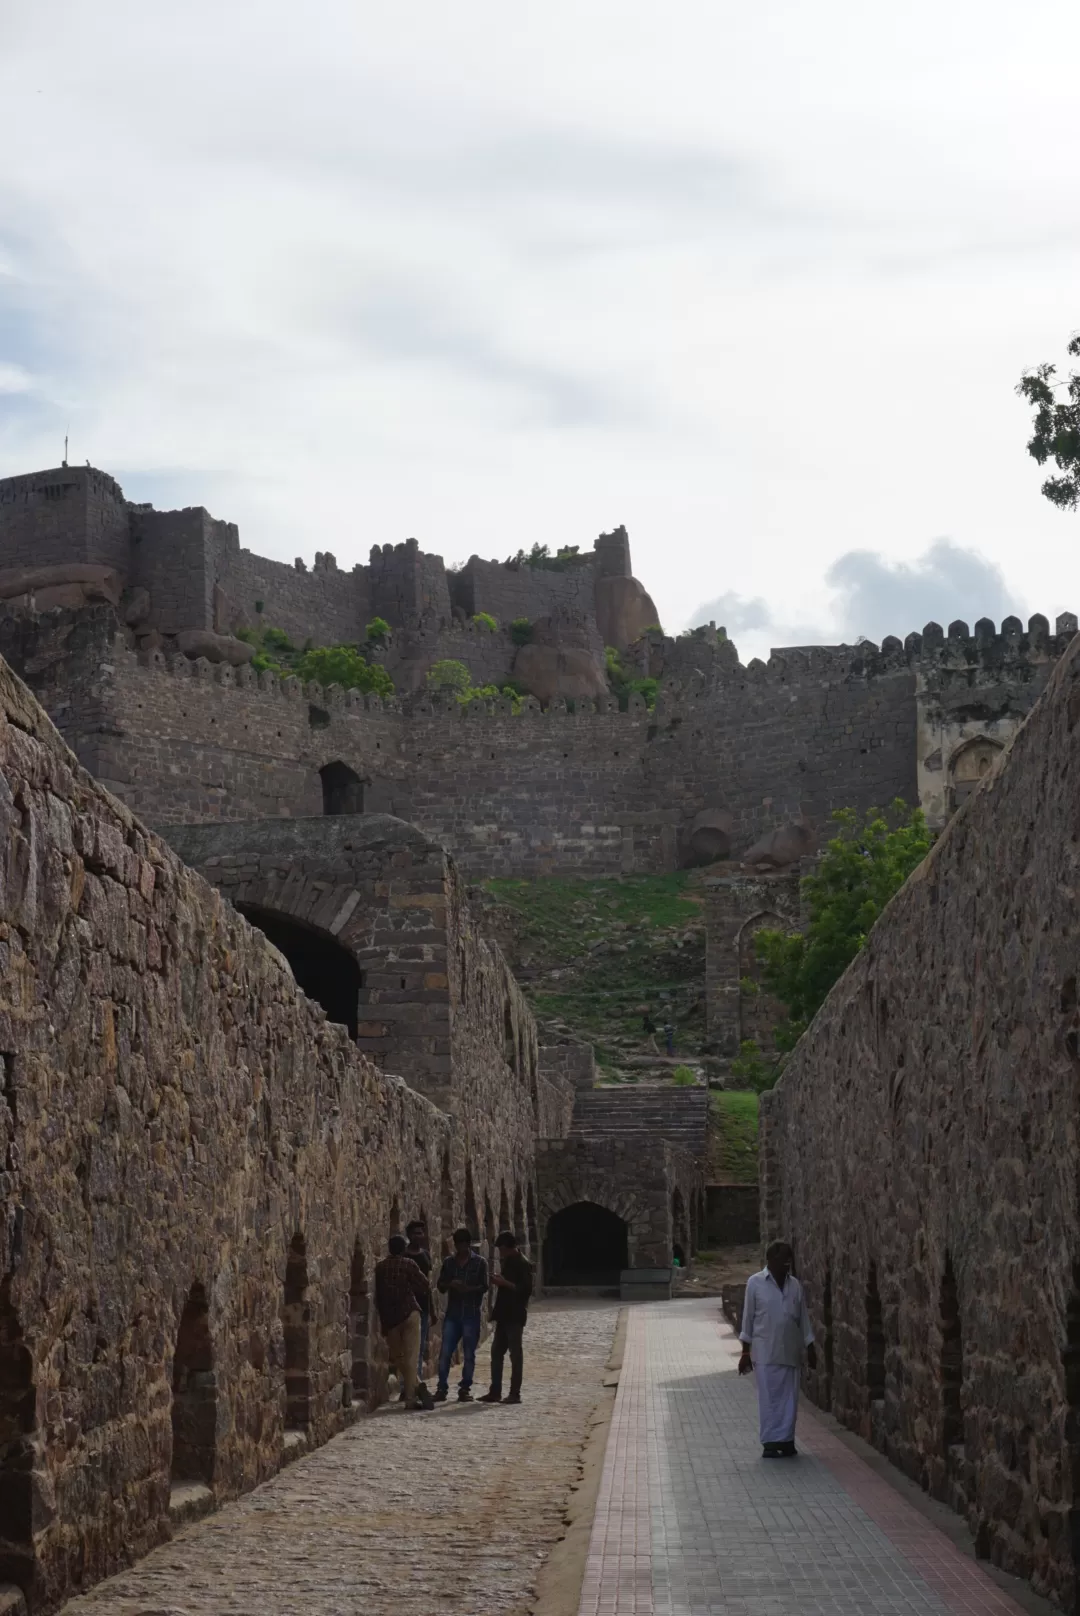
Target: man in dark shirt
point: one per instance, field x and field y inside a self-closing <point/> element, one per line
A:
<point x="401" y="1293"/>
<point x="463" y="1278"/>
<point x="417" y="1252"/>
<point x="513" y="1289"/>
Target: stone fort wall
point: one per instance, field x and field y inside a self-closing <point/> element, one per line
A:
<point x="156" y="1054"/>
<point x="920" y="1150"/>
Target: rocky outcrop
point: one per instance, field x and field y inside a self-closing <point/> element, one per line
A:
<point x="200" y="642"/>
<point x="42" y="589"/>
<point x="624" y="610"/>
<point x="549" y="672"/>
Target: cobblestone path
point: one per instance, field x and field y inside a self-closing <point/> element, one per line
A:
<point x="691" y="1521"/>
<point x="403" y="1514"/>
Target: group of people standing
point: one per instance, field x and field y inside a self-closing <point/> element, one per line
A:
<point x="405" y="1302"/>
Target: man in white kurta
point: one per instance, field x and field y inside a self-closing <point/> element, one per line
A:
<point x="775" y="1329"/>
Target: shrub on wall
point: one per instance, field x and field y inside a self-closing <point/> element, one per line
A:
<point x="377" y="631"/>
<point x="623" y="686"/>
<point x="521" y="631"/>
<point x="326" y="664"/>
<point x="451" y="677"/>
<point x="485" y="620"/>
<point x="540" y="556"/>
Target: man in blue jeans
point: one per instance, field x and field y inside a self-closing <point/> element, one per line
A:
<point x="463" y="1279"/>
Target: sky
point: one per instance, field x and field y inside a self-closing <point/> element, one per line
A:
<point x="756" y="281"/>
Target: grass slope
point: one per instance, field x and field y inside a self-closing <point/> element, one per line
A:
<point x="733" y="1137"/>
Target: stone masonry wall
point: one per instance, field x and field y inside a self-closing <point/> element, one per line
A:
<point x="736" y="907"/>
<point x="156" y="1055"/>
<point x="921" y="1151"/>
<point x="596" y="791"/>
<point x="636" y="1178"/>
<point x="68" y="514"/>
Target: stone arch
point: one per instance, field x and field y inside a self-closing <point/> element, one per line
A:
<point x="648" y="1231"/>
<point x="342" y="789"/>
<point x="446" y="1207"/>
<point x="759" y="1012"/>
<point x="952" y="1376"/>
<point x="359" y="1328"/>
<point x="296" y="1323"/>
<point x="968" y="767"/>
<point x="585" y="1244"/>
<point x="324" y="970"/>
<point x="680" y="1232"/>
<point x="18" y="1414"/>
<point x="489" y="1232"/>
<point x="531" y="1224"/>
<point x="194" y="1394"/>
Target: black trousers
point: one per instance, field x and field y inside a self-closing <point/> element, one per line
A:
<point x="507" y="1339"/>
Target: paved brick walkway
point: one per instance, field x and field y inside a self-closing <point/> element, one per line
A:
<point x="691" y="1521"/>
<point x="401" y="1515"/>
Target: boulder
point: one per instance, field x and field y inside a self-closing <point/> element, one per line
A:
<point x="786" y="845"/>
<point x="136" y="606"/>
<point x="624" y="610"/>
<point x="709" y="836"/>
<point x="202" y="642"/>
<point x="549" y="672"/>
<point x="94" y="583"/>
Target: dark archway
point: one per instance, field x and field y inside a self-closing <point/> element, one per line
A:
<point x="342" y="789"/>
<point x="446" y="1207"/>
<point x="359" y="1326"/>
<point x="530" y="1223"/>
<point x="827" y="1311"/>
<point x="324" y="970"/>
<point x="875" y="1339"/>
<point x="952" y="1374"/>
<point x="296" y="1322"/>
<point x="194" y="1394"/>
<point x="585" y="1244"/>
<point x="17" y="1415"/>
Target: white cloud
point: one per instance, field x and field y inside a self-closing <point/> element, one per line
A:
<point x="757" y="283"/>
<point x="13" y="379"/>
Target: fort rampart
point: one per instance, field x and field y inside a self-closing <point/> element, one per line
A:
<point x="198" y="1171"/>
<point x="920" y="1151"/>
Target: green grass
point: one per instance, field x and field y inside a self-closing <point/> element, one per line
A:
<point x="734" y="1144"/>
<point x="599" y="994"/>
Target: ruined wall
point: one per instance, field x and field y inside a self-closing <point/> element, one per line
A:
<point x="651" y="1184"/>
<point x="508" y="592"/>
<point x="737" y="906"/>
<point x="921" y="1152"/>
<point x="324" y="604"/>
<point x="157" y="1054"/>
<point x="972" y="692"/>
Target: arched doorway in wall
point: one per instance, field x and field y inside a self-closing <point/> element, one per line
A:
<point x="472" y="1216"/>
<point x="17" y="1418"/>
<point x="194" y="1394"/>
<point x="296" y="1323"/>
<point x="968" y="767"/>
<point x="359" y="1326"/>
<point x="585" y="1244"/>
<point x="680" y="1235"/>
<point x="530" y="1224"/>
<point x="759" y="1011"/>
<point x="446" y="1207"/>
<point x="324" y="970"/>
<point x="342" y="789"/>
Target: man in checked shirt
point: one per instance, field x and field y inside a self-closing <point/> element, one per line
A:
<point x="401" y="1292"/>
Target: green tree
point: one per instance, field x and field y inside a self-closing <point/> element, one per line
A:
<point x="623" y="685"/>
<point x="377" y="631"/>
<point x="449" y="674"/>
<point x="1056" y="428"/>
<point x="856" y="876"/>
<point x="343" y="665"/>
<point x="521" y="631"/>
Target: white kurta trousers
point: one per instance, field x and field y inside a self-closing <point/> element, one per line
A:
<point x="778" y="1401"/>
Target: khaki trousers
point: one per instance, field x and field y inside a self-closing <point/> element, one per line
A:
<point x="403" y="1345"/>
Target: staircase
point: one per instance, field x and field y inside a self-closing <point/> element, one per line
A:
<point x="678" y="1115"/>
